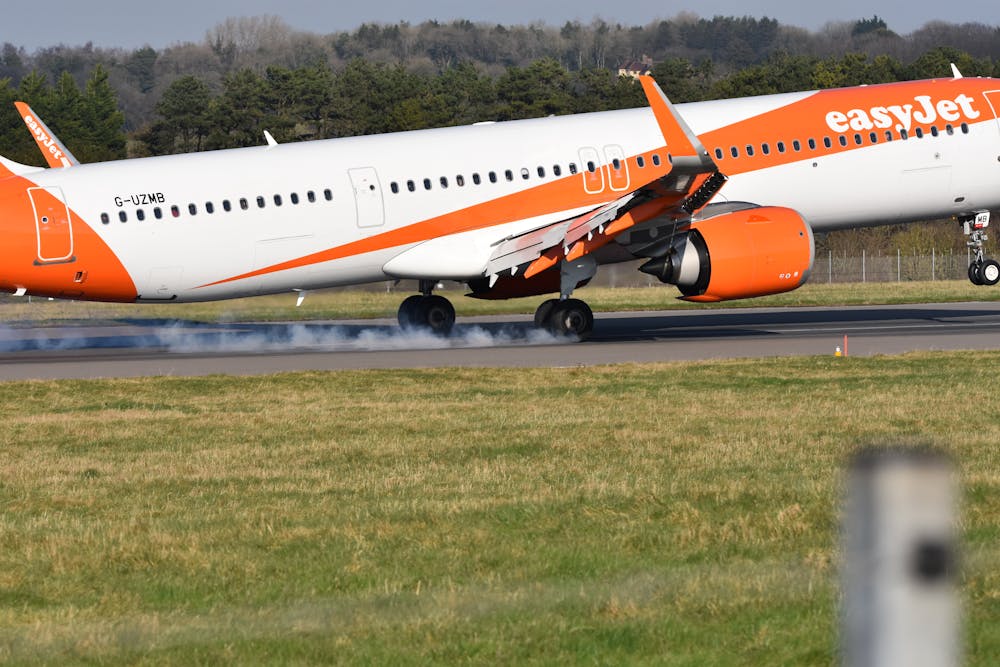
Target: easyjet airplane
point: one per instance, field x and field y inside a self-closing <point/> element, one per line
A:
<point x="721" y="198"/>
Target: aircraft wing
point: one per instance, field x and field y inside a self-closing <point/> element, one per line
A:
<point x="691" y="183"/>
<point x="56" y="154"/>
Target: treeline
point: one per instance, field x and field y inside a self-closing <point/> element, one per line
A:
<point x="721" y="46"/>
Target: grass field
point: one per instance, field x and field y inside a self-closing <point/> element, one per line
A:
<point x="351" y="304"/>
<point x="681" y="514"/>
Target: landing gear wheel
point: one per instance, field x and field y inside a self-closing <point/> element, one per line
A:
<point x="437" y="315"/>
<point x="989" y="272"/>
<point x="544" y="313"/>
<point x="571" y="317"/>
<point x="409" y="312"/>
<point x="431" y="313"/>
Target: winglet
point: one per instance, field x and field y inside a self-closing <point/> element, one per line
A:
<point x="681" y="141"/>
<point x="955" y="72"/>
<point x="56" y="154"/>
<point x="270" y="140"/>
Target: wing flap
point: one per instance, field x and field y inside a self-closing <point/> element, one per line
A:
<point x="693" y="180"/>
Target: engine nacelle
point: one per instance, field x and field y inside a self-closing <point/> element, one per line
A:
<point x="738" y="255"/>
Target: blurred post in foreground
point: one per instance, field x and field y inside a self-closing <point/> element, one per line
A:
<point x="900" y="604"/>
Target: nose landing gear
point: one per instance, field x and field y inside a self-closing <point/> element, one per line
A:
<point x="982" y="270"/>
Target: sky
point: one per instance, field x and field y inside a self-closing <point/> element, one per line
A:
<point x="130" y="24"/>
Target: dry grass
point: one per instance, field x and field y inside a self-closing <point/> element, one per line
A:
<point x="678" y="514"/>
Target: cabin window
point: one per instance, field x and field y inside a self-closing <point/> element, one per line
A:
<point x="617" y="164"/>
<point x="105" y="218"/>
<point x="920" y="133"/>
<point x="158" y="213"/>
<point x="476" y="179"/>
<point x="781" y="146"/>
<point x="493" y="177"/>
<point x="827" y="142"/>
<point x="140" y="214"/>
<point x="749" y="150"/>
<point x="410" y="185"/>
<point x="261" y="202"/>
<point x="460" y="181"/>
<point x="766" y="149"/>
<point x="656" y="160"/>
<point x="812" y="144"/>
<point x="525" y="174"/>
<point x="444" y="182"/>
<point x="394" y="186"/>
<point x="226" y="206"/>
<point x="888" y="135"/>
<point x="718" y="153"/>
<point x="965" y="128"/>
<point x="843" y="140"/>
<point x="508" y="174"/>
<point x="858" y="140"/>
<point x="192" y="209"/>
<point x="277" y="200"/>
<point x="244" y="204"/>
<point x="295" y="196"/>
<point x="311" y="196"/>
<point x="572" y="167"/>
<point x="950" y="129"/>
<point x="796" y="146"/>
<point x="556" y="170"/>
<point x="873" y="138"/>
<point x="328" y="194"/>
<point x="427" y="184"/>
<point x="209" y="207"/>
<point x="734" y="151"/>
<point x="175" y="211"/>
<point x="123" y="216"/>
<point x="641" y="161"/>
<point x="541" y="172"/>
<point x="903" y="134"/>
<point x="934" y="130"/>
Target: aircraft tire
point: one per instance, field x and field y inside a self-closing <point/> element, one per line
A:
<point x="437" y="315"/>
<point x="989" y="272"/>
<point x="572" y="317"/>
<point x="974" y="276"/>
<point x="409" y="312"/>
<point x="544" y="313"/>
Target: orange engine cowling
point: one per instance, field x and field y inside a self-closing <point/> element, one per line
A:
<point x="738" y="255"/>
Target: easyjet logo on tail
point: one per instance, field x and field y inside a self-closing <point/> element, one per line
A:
<point x="903" y="116"/>
<point x="44" y="140"/>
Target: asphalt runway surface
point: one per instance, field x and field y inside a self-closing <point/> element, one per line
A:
<point x="132" y="348"/>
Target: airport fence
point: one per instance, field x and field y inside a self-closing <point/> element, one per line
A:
<point x="830" y="267"/>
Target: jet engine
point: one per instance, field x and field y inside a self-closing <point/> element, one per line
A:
<point x="738" y="255"/>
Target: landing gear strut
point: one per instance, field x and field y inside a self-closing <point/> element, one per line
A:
<point x="982" y="270"/>
<point x="565" y="316"/>
<point x="427" y="312"/>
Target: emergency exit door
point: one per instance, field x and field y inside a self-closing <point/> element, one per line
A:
<point x="53" y="225"/>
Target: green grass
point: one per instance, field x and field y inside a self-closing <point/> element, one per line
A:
<point x="680" y="514"/>
<point x="350" y="304"/>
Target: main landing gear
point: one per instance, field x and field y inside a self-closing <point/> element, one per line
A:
<point x="565" y="316"/>
<point x="982" y="270"/>
<point x="427" y="311"/>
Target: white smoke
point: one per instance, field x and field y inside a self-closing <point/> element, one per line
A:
<point x="190" y="338"/>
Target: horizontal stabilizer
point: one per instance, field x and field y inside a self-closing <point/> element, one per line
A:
<point x="11" y="168"/>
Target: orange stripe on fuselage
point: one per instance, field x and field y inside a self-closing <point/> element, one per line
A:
<point x="560" y="195"/>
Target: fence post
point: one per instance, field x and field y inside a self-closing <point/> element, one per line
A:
<point x="864" y="271"/>
<point x="899" y="265"/>
<point x="933" y="264"/>
<point x="829" y="265"/>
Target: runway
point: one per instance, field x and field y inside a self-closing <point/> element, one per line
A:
<point x="133" y="348"/>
